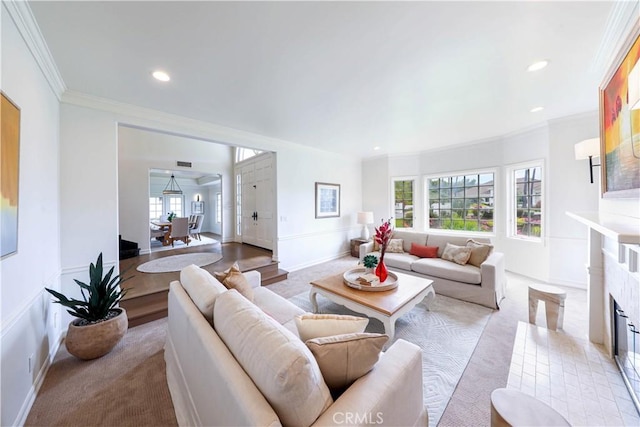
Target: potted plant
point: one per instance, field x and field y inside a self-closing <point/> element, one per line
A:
<point x="170" y="216"/>
<point x="100" y="324"/>
<point x="370" y="262"/>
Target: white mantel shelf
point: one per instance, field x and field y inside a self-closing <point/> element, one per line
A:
<point x="622" y="229"/>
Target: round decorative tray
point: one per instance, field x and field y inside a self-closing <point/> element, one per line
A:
<point x="350" y="279"/>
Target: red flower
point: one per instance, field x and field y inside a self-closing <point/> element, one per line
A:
<point x="383" y="235"/>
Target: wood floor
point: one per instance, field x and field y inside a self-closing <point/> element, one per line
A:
<point x="146" y="299"/>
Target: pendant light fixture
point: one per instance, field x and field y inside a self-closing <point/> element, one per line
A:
<point x="172" y="187"/>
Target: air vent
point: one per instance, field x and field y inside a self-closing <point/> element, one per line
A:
<point x="183" y="164"/>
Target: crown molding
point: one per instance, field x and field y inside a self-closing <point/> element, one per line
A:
<point x="624" y="15"/>
<point x="21" y="14"/>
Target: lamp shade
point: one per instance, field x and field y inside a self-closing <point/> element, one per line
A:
<point x="587" y="148"/>
<point x="365" y="217"/>
<point x="633" y="87"/>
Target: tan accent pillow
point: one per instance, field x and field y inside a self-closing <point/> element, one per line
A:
<point x="479" y="252"/>
<point x="236" y="280"/>
<point x="458" y="254"/>
<point x="345" y="358"/>
<point x="221" y="275"/>
<point x="202" y="288"/>
<point x="395" y="246"/>
<point x="376" y="246"/>
<point x="324" y="325"/>
<point x="279" y="364"/>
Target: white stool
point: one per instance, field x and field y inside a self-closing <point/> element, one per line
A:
<point x="553" y="303"/>
<point x="514" y="408"/>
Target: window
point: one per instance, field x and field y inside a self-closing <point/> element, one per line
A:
<point x="155" y="208"/>
<point x="175" y="205"/>
<point x="218" y="208"/>
<point x="461" y="202"/>
<point x="403" y="202"/>
<point x="526" y="201"/>
<point x="245" y="153"/>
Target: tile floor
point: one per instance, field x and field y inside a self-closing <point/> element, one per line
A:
<point x="565" y="370"/>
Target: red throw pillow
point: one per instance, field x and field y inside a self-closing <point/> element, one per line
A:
<point x="424" y="251"/>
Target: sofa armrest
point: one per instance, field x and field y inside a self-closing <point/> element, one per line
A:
<point x="493" y="275"/>
<point x="391" y="394"/>
<point x="365" y="248"/>
<point x="253" y="277"/>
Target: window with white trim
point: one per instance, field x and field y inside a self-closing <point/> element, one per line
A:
<point x="464" y="202"/>
<point x="175" y="204"/>
<point x="526" y="201"/>
<point x="403" y="195"/>
<point x="155" y="208"/>
<point x="246" y="153"/>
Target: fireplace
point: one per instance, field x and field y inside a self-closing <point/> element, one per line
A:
<point x="627" y="352"/>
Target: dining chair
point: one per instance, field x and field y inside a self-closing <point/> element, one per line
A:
<point x="180" y="230"/>
<point x="195" y="229"/>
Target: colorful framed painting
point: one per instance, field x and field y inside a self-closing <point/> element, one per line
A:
<point x="9" y="174"/>
<point x="620" y="123"/>
<point x="327" y="200"/>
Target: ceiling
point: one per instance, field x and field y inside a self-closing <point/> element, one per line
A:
<point x="340" y="76"/>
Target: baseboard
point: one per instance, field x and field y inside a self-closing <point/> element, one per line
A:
<point x="35" y="388"/>
<point x="320" y="261"/>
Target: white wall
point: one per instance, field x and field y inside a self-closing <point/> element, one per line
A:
<point x="561" y="255"/>
<point x="27" y="317"/>
<point x="141" y="150"/>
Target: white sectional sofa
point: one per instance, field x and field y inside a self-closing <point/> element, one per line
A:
<point x="482" y="285"/>
<point x="225" y="366"/>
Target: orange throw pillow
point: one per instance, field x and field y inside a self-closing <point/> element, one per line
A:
<point x="424" y="251"/>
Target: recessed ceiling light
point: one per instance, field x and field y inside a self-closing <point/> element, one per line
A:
<point x="376" y="148"/>
<point x="538" y="65"/>
<point x="161" y="75"/>
<point x="536" y="109"/>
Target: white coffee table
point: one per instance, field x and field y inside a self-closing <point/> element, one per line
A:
<point x="386" y="306"/>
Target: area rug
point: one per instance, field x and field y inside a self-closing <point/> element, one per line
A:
<point x="447" y="335"/>
<point x="178" y="262"/>
<point x="156" y="246"/>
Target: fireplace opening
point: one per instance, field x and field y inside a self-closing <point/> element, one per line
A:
<point x="627" y="352"/>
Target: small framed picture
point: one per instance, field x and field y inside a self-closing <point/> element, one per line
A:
<point x="197" y="207"/>
<point x="327" y="200"/>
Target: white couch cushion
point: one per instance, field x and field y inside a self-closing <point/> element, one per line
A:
<point x="281" y="366"/>
<point x="202" y="288"/>
<point x="275" y="306"/>
<point x="437" y="267"/>
<point x="402" y="260"/>
<point x="323" y="325"/>
<point x="409" y="237"/>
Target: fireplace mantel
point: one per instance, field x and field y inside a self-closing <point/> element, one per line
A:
<point x="614" y="242"/>
<point x="622" y="229"/>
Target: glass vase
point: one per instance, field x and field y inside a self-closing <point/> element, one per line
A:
<point x="381" y="271"/>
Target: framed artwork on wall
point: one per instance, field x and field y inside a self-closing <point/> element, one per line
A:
<point x="9" y="175"/>
<point x="327" y="200"/>
<point x="197" y="208"/>
<point x="620" y="122"/>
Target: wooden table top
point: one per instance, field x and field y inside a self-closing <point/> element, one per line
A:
<point x="387" y="302"/>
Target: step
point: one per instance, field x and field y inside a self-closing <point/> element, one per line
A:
<point x="146" y="308"/>
<point x="274" y="277"/>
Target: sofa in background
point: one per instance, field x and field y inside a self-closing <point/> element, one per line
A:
<point x="229" y="363"/>
<point x="483" y="284"/>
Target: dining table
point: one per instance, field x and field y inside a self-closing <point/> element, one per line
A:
<point x="164" y="226"/>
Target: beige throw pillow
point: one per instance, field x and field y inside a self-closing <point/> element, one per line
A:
<point x="221" y="275"/>
<point x="279" y="364"/>
<point x="395" y="246"/>
<point x="323" y="325"/>
<point x="479" y="252"/>
<point x="236" y="280"/>
<point x="458" y="254"/>
<point x="202" y="288"/>
<point x="345" y="358"/>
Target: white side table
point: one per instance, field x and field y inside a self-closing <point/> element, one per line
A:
<point x="553" y="298"/>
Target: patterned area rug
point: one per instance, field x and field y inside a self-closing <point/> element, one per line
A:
<point x="178" y="262"/>
<point x="448" y="335"/>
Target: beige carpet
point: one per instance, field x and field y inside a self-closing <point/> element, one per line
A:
<point x="127" y="387"/>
